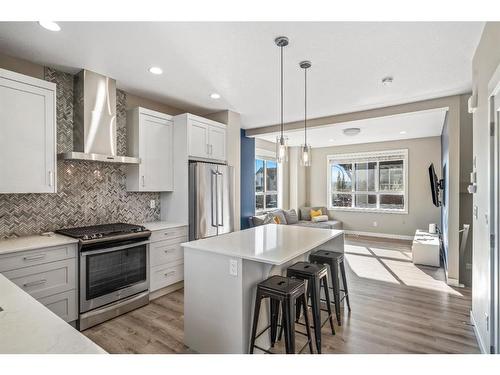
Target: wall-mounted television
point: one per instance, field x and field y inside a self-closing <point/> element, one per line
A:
<point x="436" y="185"/>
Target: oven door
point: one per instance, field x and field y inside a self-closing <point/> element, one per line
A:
<point x="110" y="274"/>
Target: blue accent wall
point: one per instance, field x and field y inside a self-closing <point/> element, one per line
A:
<point x="247" y="194"/>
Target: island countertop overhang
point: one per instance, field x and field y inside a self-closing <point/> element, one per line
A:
<point x="271" y="244"/>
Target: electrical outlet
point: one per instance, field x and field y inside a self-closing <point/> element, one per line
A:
<point x="375" y="224"/>
<point x="468" y="266"/>
<point x="233" y="267"/>
<point x="152" y="203"/>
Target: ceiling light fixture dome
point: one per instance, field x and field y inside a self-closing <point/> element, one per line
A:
<point x="215" y="95"/>
<point x="50" y="25"/>
<point x="281" y="141"/>
<point x="351" y="131"/>
<point x="155" y="70"/>
<point x="305" y="150"/>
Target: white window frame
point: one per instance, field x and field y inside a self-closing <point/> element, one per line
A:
<point x="266" y="158"/>
<point x="365" y="157"/>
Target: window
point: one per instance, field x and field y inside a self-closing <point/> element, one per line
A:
<point x="374" y="181"/>
<point x="266" y="184"/>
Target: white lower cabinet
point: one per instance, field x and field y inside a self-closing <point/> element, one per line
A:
<point x="166" y="257"/>
<point x="63" y="305"/>
<point x="49" y="275"/>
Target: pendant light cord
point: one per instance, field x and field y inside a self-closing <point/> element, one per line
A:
<point x="282" y="126"/>
<point x="305" y="107"/>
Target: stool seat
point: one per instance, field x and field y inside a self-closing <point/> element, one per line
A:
<point x="307" y="269"/>
<point x="283" y="286"/>
<point x="327" y="256"/>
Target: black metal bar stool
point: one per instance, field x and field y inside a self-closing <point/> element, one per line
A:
<point x="335" y="261"/>
<point x="316" y="276"/>
<point x="286" y="292"/>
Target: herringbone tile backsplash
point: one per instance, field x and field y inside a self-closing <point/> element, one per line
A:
<point x="88" y="193"/>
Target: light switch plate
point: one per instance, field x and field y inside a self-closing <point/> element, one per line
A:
<point x="152" y="203"/>
<point x="233" y="267"/>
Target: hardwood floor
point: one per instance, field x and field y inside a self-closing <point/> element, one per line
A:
<point x="396" y="308"/>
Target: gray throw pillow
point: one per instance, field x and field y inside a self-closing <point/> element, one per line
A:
<point x="279" y="214"/>
<point x="291" y="216"/>
<point x="262" y="219"/>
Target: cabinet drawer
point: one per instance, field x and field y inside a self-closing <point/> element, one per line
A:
<point x="165" y="275"/>
<point x="29" y="258"/>
<point x="166" y="234"/>
<point x="64" y="305"/>
<point x="163" y="252"/>
<point x="45" y="279"/>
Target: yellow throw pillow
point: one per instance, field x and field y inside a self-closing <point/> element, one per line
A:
<point x="277" y="220"/>
<point x="315" y="213"/>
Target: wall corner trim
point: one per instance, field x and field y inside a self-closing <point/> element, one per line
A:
<point x="478" y="336"/>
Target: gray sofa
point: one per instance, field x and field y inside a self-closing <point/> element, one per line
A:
<point x="290" y="217"/>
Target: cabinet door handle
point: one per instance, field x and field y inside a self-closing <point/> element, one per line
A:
<point x="170" y="273"/>
<point x="143" y="181"/>
<point x="211" y="149"/>
<point x="33" y="283"/>
<point x="50" y="178"/>
<point x="34" y="257"/>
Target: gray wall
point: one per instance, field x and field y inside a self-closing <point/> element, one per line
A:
<point x="421" y="211"/>
<point x="466" y="161"/>
<point x="485" y="61"/>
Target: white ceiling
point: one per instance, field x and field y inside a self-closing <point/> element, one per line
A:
<point x="241" y="62"/>
<point x="414" y="125"/>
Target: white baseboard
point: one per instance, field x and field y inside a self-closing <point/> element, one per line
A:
<point x="478" y="336"/>
<point x="381" y="235"/>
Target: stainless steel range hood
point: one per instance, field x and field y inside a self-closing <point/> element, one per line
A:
<point x="94" y="120"/>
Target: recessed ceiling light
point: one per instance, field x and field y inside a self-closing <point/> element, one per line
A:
<point x="330" y="140"/>
<point x="387" y="81"/>
<point x="351" y="131"/>
<point x="214" y="95"/>
<point x="402" y="132"/>
<point x="50" y="25"/>
<point x="155" y="70"/>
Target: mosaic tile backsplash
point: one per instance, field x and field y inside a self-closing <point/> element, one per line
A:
<point x="88" y="192"/>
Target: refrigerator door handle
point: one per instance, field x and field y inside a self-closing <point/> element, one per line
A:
<point x="221" y="212"/>
<point x="212" y="190"/>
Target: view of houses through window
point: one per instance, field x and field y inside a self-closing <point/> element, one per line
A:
<point x="266" y="184"/>
<point x="366" y="181"/>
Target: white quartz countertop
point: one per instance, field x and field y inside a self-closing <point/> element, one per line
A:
<point x="160" y="225"/>
<point x="271" y="243"/>
<point x="28" y="327"/>
<point x="34" y="242"/>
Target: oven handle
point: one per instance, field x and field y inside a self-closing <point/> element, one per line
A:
<point x="111" y="249"/>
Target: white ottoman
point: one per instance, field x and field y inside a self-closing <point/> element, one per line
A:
<point x="425" y="248"/>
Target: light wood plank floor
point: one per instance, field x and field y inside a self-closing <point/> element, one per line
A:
<point x="396" y="308"/>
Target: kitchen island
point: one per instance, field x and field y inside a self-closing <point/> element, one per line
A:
<point x="221" y="274"/>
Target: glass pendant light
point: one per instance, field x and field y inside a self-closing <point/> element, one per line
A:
<point x="281" y="141"/>
<point x="305" y="149"/>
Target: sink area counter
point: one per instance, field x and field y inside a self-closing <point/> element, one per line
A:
<point x="28" y="327"/>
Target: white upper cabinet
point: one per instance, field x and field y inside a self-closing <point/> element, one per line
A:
<point x="206" y="138"/>
<point x="27" y="134"/>
<point x="150" y="138"/>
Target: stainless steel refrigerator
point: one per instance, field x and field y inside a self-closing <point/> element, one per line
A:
<point x="210" y="200"/>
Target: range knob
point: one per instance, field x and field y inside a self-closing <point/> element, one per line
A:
<point x="85" y="237"/>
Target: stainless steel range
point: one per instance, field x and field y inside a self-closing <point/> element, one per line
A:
<point x="114" y="270"/>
